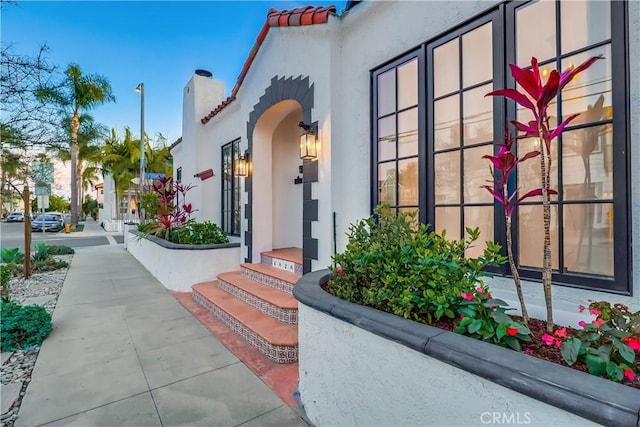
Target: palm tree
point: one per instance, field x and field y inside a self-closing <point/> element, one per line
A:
<point x="120" y="158"/>
<point x="77" y="92"/>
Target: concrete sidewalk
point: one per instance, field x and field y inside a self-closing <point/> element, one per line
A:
<point x="124" y="352"/>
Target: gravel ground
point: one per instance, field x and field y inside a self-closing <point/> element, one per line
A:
<point x="42" y="288"/>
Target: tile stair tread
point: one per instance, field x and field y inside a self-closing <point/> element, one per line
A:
<point x="272" y="296"/>
<point x="274" y="272"/>
<point x="271" y="330"/>
<point x="287" y="254"/>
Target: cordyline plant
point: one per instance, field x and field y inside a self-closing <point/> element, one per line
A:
<point x="536" y="97"/>
<point x="173" y="210"/>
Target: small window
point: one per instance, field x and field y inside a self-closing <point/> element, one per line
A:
<point x="179" y="174"/>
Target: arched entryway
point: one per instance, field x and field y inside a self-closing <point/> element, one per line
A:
<point x="279" y="211"/>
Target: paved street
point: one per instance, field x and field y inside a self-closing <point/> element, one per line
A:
<point x="12" y="236"/>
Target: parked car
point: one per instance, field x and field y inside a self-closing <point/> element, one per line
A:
<point x="59" y="216"/>
<point x="48" y="222"/>
<point x="15" y="217"/>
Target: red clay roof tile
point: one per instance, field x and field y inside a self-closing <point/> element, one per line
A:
<point x="308" y="15"/>
<point x="176" y="142"/>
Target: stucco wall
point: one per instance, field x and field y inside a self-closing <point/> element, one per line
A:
<point x="374" y="381"/>
<point x="287" y="206"/>
<point x="179" y="269"/>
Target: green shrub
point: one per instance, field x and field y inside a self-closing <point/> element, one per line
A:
<point x="60" y="250"/>
<point x="42" y="252"/>
<point x="150" y="203"/>
<point x="47" y="264"/>
<point x="9" y="256"/>
<point x="6" y="274"/>
<point x="200" y="233"/>
<point x="23" y="326"/>
<point x="395" y="265"/>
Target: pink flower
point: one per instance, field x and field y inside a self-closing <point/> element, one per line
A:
<point x="581" y="308"/>
<point x="629" y="374"/>
<point x="595" y="312"/>
<point x="558" y="343"/>
<point x="480" y="290"/>
<point x="633" y="343"/>
<point x="599" y="322"/>
<point x="529" y="351"/>
<point x="490" y="296"/>
<point x="512" y="331"/>
<point x="581" y="323"/>
<point x="548" y="339"/>
<point x="461" y="317"/>
<point x="467" y="296"/>
<point x="339" y="270"/>
<point x="562" y="333"/>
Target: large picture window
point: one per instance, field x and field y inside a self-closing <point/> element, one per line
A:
<point x="455" y="71"/>
<point x="230" y="189"/>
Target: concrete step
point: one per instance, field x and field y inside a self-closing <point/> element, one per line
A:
<point x="270" y="276"/>
<point x="276" y="304"/>
<point x="277" y="341"/>
<point x="287" y="259"/>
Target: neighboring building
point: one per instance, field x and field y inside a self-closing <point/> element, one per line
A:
<point x="397" y="92"/>
<point x="112" y="213"/>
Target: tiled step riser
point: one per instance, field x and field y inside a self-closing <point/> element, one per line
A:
<point x="277" y="353"/>
<point x="281" y="314"/>
<point x="281" y="264"/>
<point x="267" y="280"/>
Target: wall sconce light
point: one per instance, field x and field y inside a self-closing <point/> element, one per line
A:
<point x="308" y="142"/>
<point x="242" y="164"/>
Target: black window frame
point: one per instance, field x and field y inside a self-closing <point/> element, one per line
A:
<point x="503" y="17"/>
<point x="230" y="227"/>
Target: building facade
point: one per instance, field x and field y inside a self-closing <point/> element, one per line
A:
<point x="396" y="91"/>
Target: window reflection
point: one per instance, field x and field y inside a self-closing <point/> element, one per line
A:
<point x="447" y="122"/>
<point x="387" y="183"/>
<point x="536" y="32"/>
<point x="531" y="236"/>
<point x="446" y="68"/>
<point x="448" y="218"/>
<point x="584" y="23"/>
<point x="587" y="163"/>
<point x="386" y="92"/>
<point x="477" y="56"/>
<point x="529" y="171"/>
<point x="387" y="138"/>
<point x="588" y="238"/>
<point x="478" y="115"/>
<point x="408" y="84"/>
<point x="408" y="133"/>
<point x="481" y="217"/>
<point x="476" y="174"/>
<point x="447" y="177"/>
<point x="408" y="182"/>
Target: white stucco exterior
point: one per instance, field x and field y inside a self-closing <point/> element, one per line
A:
<point x="179" y="269"/>
<point x="338" y="57"/>
<point x="374" y="382"/>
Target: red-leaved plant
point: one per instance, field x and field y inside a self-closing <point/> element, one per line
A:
<point x="173" y="210"/>
<point x="536" y="97"/>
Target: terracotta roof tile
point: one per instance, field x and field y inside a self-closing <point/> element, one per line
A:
<point x="176" y="142"/>
<point x="308" y="15"/>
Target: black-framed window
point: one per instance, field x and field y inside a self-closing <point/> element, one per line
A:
<point x="230" y="188"/>
<point x="396" y="127"/>
<point x="591" y="246"/>
<point x="179" y="174"/>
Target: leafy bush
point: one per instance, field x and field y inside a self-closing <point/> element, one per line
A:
<point x="61" y="250"/>
<point x="608" y="345"/>
<point x="23" y="326"/>
<point x="484" y="317"/>
<point x="150" y="203"/>
<point x="42" y="252"/>
<point x="6" y="274"/>
<point x="11" y="256"/>
<point x="395" y="265"/>
<point x="200" y="233"/>
<point x="48" y="264"/>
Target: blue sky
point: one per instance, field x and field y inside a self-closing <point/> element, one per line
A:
<point x="158" y="42"/>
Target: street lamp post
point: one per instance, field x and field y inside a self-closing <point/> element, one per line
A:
<point x="140" y="88"/>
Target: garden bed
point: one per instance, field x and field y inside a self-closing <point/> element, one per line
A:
<point x="179" y="266"/>
<point x="396" y="371"/>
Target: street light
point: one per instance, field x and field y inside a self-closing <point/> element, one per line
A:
<point x="140" y="89"/>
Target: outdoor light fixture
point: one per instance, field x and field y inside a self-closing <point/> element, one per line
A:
<point x="308" y="142"/>
<point x="140" y="89"/>
<point x="242" y="164"/>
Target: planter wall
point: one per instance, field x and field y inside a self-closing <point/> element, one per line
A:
<point x="359" y="366"/>
<point x="178" y="267"/>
